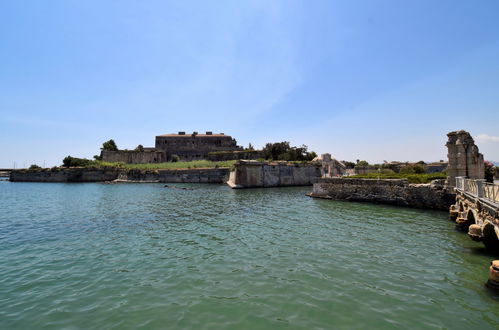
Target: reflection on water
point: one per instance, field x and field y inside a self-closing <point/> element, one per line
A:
<point x="142" y="255"/>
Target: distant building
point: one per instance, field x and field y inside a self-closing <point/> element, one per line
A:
<point x="186" y="147"/>
<point x="436" y="167"/>
<point x="195" y="146"/>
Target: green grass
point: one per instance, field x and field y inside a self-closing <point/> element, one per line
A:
<point x="180" y="165"/>
<point x="412" y="178"/>
<point x="98" y="164"/>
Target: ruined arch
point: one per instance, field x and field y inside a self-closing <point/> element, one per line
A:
<point x="470" y="217"/>
<point x="461" y="207"/>
<point x="490" y="239"/>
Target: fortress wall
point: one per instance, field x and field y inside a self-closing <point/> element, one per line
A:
<point x="265" y="174"/>
<point x="395" y="192"/>
<point x="195" y="146"/>
<point x="133" y="157"/>
<point x="64" y="175"/>
<point x="214" y="175"/>
<point x="209" y="175"/>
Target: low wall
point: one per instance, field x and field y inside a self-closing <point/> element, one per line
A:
<point x="134" y="157"/>
<point x="215" y="175"/>
<point x="264" y="174"/>
<point x="64" y="175"/>
<point x="210" y="175"/>
<point x="395" y="192"/>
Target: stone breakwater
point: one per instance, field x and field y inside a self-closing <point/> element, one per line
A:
<point x="213" y="175"/>
<point x="253" y="174"/>
<point x="395" y="192"/>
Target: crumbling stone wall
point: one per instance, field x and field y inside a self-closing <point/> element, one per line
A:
<point x="330" y="167"/>
<point x="464" y="157"/>
<point x="78" y="174"/>
<point x="134" y="157"/>
<point x="395" y="192"/>
<point x="252" y="174"/>
<point x="209" y="175"/>
<point x="195" y="146"/>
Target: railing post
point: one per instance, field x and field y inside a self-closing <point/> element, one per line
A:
<point x="461" y="183"/>
<point x="479" y="188"/>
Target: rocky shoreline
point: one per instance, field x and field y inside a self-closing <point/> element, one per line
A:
<point x="388" y="191"/>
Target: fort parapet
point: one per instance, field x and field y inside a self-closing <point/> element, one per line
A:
<point x="134" y="157"/>
<point x="253" y="174"/>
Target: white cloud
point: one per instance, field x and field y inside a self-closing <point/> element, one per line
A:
<point x="485" y="138"/>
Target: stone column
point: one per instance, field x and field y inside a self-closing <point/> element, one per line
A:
<point x="479" y="187"/>
<point x="464" y="157"/>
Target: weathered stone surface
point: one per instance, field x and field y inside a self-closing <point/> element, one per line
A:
<point x="194" y="146"/>
<point x="134" y="157"/>
<point x="215" y="175"/>
<point x="330" y="167"/>
<point x="493" y="281"/>
<point x="478" y="216"/>
<point x="395" y="192"/>
<point x="464" y="158"/>
<point x="252" y="174"/>
<point x="64" y="175"/>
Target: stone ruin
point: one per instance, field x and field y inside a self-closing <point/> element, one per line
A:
<point x="464" y="158"/>
<point x="330" y="167"/>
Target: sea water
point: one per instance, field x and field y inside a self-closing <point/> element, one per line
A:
<point x="129" y="256"/>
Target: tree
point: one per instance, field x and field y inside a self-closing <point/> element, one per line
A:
<point x="109" y="146"/>
<point x="490" y="171"/>
<point x="284" y="151"/>
<point x="250" y="147"/>
<point x="35" y="167"/>
<point x="275" y="150"/>
<point x="348" y="164"/>
<point x="73" y="162"/>
<point x="419" y="168"/>
<point x="362" y="163"/>
<point x="139" y="148"/>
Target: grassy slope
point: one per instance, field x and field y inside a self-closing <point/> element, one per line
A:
<point x="179" y="165"/>
<point x="412" y="178"/>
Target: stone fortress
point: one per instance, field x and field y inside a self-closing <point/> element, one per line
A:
<point x="181" y="146"/>
<point x="195" y="146"/>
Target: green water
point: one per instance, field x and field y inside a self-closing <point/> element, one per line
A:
<point x="131" y="256"/>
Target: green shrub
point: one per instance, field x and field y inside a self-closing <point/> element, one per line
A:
<point x="109" y="146"/>
<point x="76" y="162"/>
<point x="284" y="151"/>
<point x="34" y="167"/>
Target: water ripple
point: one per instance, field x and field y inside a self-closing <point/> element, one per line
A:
<point x="141" y="256"/>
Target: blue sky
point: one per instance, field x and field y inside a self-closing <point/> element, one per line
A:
<point x="374" y="80"/>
